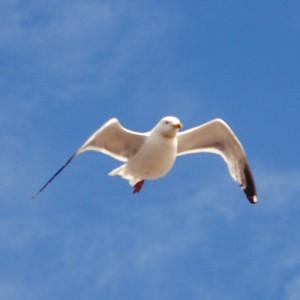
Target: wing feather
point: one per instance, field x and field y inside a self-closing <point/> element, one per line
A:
<point x="111" y="139"/>
<point x="114" y="140"/>
<point x="217" y="137"/>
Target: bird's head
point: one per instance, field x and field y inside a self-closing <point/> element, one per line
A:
<point x="168" y="126"/>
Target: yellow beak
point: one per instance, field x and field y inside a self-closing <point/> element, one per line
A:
<point x="179" y="125"/>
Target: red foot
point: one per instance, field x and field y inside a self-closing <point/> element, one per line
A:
<point x="138" y="186"/>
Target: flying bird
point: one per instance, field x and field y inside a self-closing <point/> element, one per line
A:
<point x="151" y="155"/>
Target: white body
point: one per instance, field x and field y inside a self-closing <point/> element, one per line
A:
<point x="154" y="159"/>
<point x="151" y="155"/>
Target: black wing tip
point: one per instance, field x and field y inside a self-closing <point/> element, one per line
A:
<point x="250" y="189"/>
<point x="50" y="180"/>
<point x="34" y="196"/>
<point x="252" y="199"/>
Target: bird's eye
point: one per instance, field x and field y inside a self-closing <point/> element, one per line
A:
<point x="167" y="122"/>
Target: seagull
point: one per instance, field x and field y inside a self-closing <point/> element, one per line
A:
<point x="151" y="155"/>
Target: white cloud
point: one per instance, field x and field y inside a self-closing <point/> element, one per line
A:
<point x="14" y="291"/>
<point x="293" y="289"/>
<point x="78" y="51"/>
<point x="138" y="241"/>
<point x="85" y="47"/>
<point x="278" y="190"/>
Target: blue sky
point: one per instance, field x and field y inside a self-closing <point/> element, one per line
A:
<point x="66" y="67"/>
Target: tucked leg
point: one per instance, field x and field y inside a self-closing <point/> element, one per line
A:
<point x="138" y="186"/>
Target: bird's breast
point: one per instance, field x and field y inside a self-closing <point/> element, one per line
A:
<point x="154" y="159"/>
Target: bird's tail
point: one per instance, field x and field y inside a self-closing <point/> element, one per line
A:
<point x="122" y="171"/>
<point x="118" y="171"/>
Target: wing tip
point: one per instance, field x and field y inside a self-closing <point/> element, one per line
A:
<point x="50" y="180"/>
<point x="252" y="199"/>
<point x="250" y="189"/>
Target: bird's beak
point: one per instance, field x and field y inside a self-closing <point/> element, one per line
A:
<point x="178" y="126"/>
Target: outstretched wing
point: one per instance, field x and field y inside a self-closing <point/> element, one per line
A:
<point x="114" y="140"/>
<point x="111" y="139"/>
<point x="217" y="137"/>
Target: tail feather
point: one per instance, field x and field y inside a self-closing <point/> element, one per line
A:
<point x="122" y="171"/>
<point x="118" y="171"/>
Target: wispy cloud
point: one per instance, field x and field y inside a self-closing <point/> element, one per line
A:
<point x="279" y="189"/>
<point x="293" y="289"/>
<point x="182" y="233"/>
<point x="140" y="241"/>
